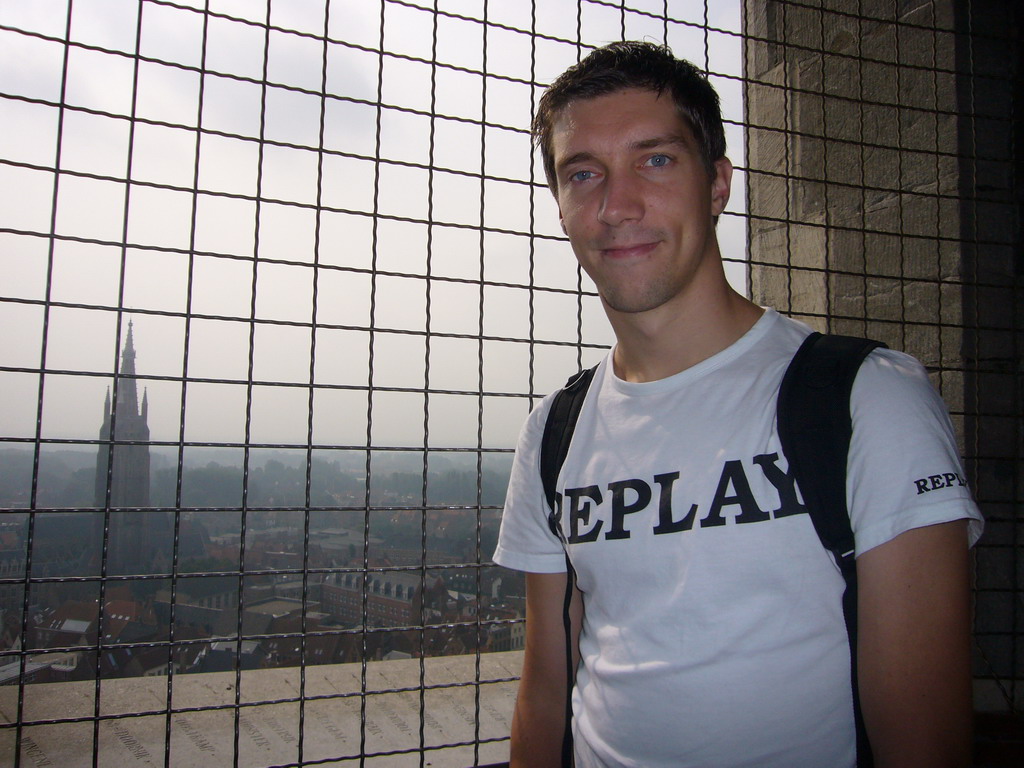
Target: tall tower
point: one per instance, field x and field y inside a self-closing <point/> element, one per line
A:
<point x="129" y="541"/>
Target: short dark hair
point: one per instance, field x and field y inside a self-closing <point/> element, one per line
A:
<point x="632" y="64"/>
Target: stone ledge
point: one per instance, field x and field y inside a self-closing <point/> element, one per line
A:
<point x="268" y="732"/>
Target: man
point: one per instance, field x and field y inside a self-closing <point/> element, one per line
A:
<point x="707" y="627"/>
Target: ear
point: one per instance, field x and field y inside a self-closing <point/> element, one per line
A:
<point x="721" y="185"/>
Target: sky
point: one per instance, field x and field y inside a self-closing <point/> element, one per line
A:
<point x="103" y="258"/>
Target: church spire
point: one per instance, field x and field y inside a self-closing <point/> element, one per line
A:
<point x="128" y="356"/>
<point x="127" y="391"/>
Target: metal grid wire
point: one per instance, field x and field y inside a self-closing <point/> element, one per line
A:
<point x="322" y="230"/>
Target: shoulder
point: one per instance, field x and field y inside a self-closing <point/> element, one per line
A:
<point x="898" y="412"/>
<point x="904" y="466"/>
<point x="892" y="363"/>
<point x="895" y="403"/>
<point x="895" y="383"/>
<point x="525" y="541"/>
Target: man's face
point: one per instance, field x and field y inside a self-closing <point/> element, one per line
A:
<point x="636" y="200"/>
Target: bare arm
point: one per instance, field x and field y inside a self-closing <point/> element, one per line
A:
<point x="539" y="720"/>
<point x="914" y="648"/>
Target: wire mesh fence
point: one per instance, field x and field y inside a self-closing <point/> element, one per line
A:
<point x="284" y="287"/>
<point x="282" y="280"/>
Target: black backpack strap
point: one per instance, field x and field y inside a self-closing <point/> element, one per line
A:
<point x="558" y="429"/>
<point x="554" y="446"/>
<point x="815" y="428"/>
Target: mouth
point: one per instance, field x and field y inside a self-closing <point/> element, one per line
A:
<point x="633" y="251"/>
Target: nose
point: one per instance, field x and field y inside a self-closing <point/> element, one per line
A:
<point x="622" y="200"/>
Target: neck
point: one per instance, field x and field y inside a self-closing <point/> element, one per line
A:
<point x="664" y="341"/>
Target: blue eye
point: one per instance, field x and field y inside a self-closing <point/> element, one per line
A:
<point x="581" y="176"/>
<point x="658" y="161"/>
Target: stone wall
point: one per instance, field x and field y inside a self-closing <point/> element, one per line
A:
<point x="883" y="193"/>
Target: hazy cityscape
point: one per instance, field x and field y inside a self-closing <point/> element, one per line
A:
<point x="280" y="580"/>
<point x="253" y="559"/>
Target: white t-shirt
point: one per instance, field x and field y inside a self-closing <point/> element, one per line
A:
<point x="713" y="632"/>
